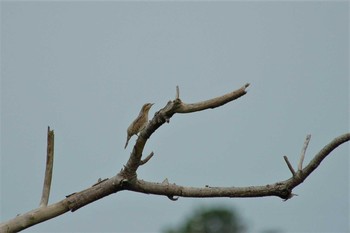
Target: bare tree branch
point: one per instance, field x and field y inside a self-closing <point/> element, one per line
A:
<point x="289" y="165"/>
<point x="163" y="115"/>
<point x="72" y="202"/>
<point x="49" y="167"/>
<point x="303" y="151"/>
<point x="145" y="160"/>
<point x="127" y="179"/>
<point x="177" y="96"/>
<point x="212" y="103"/>
<point x="282" y="189"/>
<point x="316" y="161"/>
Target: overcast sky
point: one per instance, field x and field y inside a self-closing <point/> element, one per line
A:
<point x="86" y="68"/>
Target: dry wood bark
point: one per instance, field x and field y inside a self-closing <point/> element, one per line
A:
<point x="127" y="178"/>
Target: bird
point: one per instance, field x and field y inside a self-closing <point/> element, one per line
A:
<point x="139" y="123"/>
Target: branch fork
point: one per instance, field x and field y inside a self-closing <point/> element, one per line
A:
<point x="164" y="115"/>
<point x="127" y="179"/>
<point x="302" y="157"/>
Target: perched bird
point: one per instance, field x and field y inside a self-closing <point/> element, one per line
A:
<point x="139" y="123"/>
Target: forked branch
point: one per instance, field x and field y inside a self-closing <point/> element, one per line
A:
<point x="282" y="189"/>
<point x="127" y="178"/>
<point x="164" y="115"/>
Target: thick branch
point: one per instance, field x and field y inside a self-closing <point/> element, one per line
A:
<point x="282" y="189"/>
<point x="71" y="203"/>
<point x="34" y="217"/>
<point x="278" y="189"/>
<point x="106" y="187"/>
<point x="212" y="103"/>
<point x="319" y="157"/>
<point x="127" y="179"/>
<point x="163" y="115"/>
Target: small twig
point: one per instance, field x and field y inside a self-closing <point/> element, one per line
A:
<point x="302" y="155"/>
<point x="143" y="161"/>
<point x="289" y="165"/>
<point x="49" y="167"/>
<point x="177" y="93"/>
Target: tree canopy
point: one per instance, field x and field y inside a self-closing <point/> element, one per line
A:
<point x="211" y="220"/>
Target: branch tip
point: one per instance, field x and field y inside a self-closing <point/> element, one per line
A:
<point x="303" y="151"/>
<point x="177" y="92"/>
<point x="142" y="162"/>
<point x="49" y="167"/>
<point x="289" y="165"/>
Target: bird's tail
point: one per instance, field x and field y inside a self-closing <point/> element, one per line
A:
<point x="127" y="141"/>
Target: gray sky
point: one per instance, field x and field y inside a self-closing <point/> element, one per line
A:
<point x="86" y="68"/>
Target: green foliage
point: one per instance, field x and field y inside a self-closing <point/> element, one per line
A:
<point x="211" y="220"/>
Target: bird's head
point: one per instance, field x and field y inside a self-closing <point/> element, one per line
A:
<point x="147" y="107"/>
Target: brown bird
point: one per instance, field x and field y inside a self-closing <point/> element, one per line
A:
<point x="139" y="123"/>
